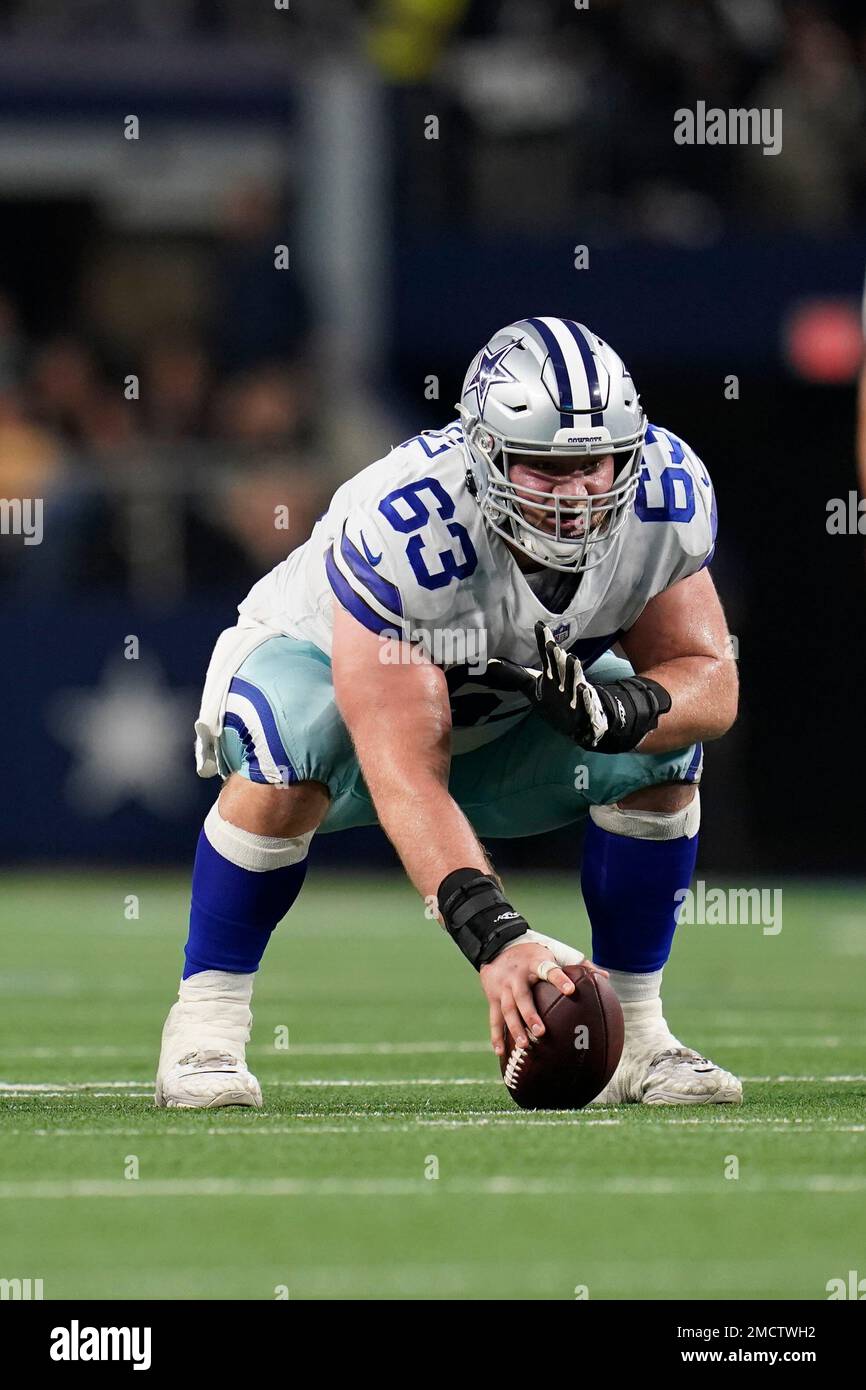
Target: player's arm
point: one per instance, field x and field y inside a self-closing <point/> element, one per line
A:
<point x="684" y="689"/>
<point x="399" y="716"/>
<point x="681" y="642"/>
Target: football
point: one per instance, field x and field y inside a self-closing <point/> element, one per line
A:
<point x="578" y="1053"/>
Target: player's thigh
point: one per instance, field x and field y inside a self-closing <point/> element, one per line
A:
<point x="282" y="728"/>
<point x="534" y="779"/>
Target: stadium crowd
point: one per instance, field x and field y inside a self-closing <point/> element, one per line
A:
<point x="543" y="109"/>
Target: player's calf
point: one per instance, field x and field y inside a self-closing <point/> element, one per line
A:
<point x="248" y="872"/>
<point x="639" y="855"/>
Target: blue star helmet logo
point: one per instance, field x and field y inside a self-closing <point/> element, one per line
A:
<point x="490" y="371"/>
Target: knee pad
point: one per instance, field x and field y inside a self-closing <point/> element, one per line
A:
<point x="650" y="825"/>
<point x="257" y="853"/>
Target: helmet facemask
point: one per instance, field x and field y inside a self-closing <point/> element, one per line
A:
<point x="604" y="514"/>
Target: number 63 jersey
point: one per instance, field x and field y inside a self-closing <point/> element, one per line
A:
<point x="404" y="548"/>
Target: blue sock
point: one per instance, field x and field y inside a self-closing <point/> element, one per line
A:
<point x="235" y="909"/>
<point x="629" y="887"/>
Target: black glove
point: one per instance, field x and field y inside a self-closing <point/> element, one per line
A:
<point x="610" y="718"/>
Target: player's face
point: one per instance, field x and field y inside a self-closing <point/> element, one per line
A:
<point x="573" y="478"/>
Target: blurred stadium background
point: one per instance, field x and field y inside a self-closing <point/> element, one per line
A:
<point x="409" y="239"/>
<point x="429" y="167"/>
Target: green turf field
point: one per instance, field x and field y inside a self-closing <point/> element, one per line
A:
<point x="387" y="1078"/>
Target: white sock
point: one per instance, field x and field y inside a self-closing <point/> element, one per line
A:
<point x="210" y="985"/>
<point x="632" y="989"/>
<point x="641" y="1003"/>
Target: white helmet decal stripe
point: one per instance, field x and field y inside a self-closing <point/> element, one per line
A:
<point x="574" y="366"/>
<point x="589" y="366"/>
<point x="557" y="357"/>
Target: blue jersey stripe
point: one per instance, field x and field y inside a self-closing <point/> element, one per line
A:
<point x="388" y="594"/>
<point x="695" y="764"/>
<point x="353" y="603"/>
<point x="714" y="527"/>
<point x="259" y="702"/>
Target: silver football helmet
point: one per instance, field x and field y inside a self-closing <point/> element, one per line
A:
<point x="550" y="386"/>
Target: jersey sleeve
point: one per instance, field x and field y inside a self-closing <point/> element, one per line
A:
<point x="364" y="574"/>
<point x="404" y="560"/>
<point x="676" y="494"/>
<point x="399" y="582"/>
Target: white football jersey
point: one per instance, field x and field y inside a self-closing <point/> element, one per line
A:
<point x="404" y="548"/>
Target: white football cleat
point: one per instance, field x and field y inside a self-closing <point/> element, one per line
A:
<point x="655" y="1068"/>
<point x="675" y="1076"/>
<point x="202" y="1062"/>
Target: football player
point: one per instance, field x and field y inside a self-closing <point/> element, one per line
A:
<point x="501" y="627"/>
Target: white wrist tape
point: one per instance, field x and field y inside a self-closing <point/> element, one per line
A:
<point x="562" y="953"/>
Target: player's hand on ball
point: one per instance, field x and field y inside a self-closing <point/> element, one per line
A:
<point x="507" y="981"/>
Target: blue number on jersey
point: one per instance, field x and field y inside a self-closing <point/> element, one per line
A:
<point x="669" y="509"/>
<point x="420" y="515"/>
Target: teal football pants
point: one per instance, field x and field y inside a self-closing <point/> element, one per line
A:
<point x="282" y="725"/>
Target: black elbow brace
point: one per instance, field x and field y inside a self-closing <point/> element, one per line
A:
<point x="477" y="916"/>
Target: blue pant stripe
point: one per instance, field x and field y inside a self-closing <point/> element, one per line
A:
<point x="234" y="721"/>
<point x="260" y="704"/>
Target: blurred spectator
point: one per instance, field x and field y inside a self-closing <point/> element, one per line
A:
<point x="266" y="407"/>
<point x="176" y="377"/>
<point x="29" y="454"/>
<point x="820" y="91"/>
<point x="259" y="312"/>
<point x="273" y="509"/>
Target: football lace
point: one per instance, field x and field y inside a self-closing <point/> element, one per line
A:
<point x="515" y="1062"/>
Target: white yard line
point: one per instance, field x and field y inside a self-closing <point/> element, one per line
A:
<point x="294" y="1131"/>
<point x="144" y="1086"/>
<point x="399" y="1049"/>
<point x="48" y="1190"/>
<point x="333" y="1049"/>
<point x="260" y="1129"/>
